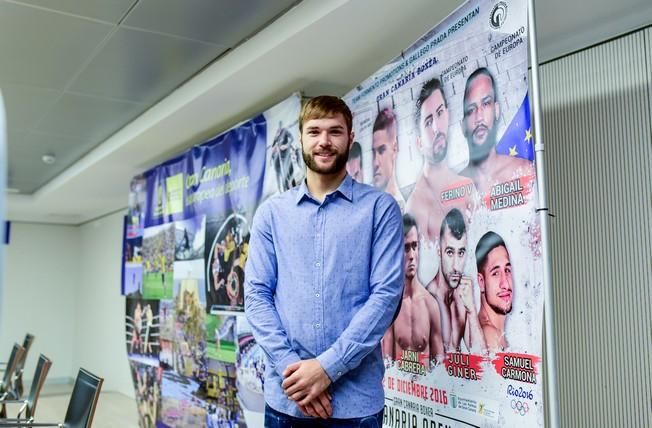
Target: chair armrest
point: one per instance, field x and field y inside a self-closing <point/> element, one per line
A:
<point x="11" y="402"/>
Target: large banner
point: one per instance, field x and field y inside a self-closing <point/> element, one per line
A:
<point x="445" y="128"/>
<point x="193" y="359"/>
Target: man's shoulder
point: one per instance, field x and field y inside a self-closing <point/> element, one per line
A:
<point x="279" y="201"/>
<point x="367" y="193"/>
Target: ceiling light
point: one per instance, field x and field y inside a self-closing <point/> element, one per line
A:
<point x="48" y="158"/>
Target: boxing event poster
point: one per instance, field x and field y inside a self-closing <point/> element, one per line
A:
<point x="445" y="128"/>
<point x="186" y="243"/>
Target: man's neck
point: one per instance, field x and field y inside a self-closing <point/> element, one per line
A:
<point x="491" y="317"/>
<point x="392" y="186"/>
<point x="487" y="166"/>
<point x="319" y="185"/>
<point x="409" y="286"/>
<point x="441" y="287"/>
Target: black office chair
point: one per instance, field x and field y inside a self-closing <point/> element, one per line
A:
<point x="81" y="407"/>
<point x="17" y="391"/>
<point x="6" y="384"/>
<point x="29" y="404"/>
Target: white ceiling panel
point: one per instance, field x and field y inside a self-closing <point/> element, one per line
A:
<point x="26" y="104"/>
<point x="89" y="117"/>
<point x="43" y="48"/>
<point x="223" y="22"/>
<point x="105" y="10"/>
<point x="142" y="66"/>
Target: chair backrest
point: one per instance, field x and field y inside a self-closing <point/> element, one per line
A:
<point x="20" y="365"/>
<point x="16" y="354"/>
<point x="42" y="368"/>
<point x="83" y="400"/>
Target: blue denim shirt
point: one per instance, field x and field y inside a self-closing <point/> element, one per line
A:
<point x="323" y="280"/>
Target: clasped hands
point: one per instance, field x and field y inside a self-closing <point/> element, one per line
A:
<point x="306" y="383"/>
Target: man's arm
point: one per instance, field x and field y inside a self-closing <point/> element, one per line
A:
<point x="368" y="325"/>
<point x="260" y="287"/>
<point x="388" y="343"/>
<point x="472" y="331"/>
<point x="436" y="342"/>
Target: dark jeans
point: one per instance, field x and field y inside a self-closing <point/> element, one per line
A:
<point x="274" y="419"/>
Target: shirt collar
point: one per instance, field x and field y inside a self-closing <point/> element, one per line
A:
<point x="345" y="189"/>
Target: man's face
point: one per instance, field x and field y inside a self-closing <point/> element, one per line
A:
<point x="495" y="280"/>
<point x="481" y="113"/>
<point x="411" y="254"/>
<point x="354" y="168"/>
<point x="433" y="128"/>
<point x="453" y="255"/>
<point x="325" y="144"/>
<point x="384" y="155"/>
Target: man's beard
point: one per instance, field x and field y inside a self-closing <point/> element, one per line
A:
<point x="337" y="166"/>
<point x="453" y="283"/>
<point x="500" y="310"/>
<point x="479" y="153"/>
<point x="437" y="157"/>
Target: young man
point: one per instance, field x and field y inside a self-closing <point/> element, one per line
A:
<point x="454" y="290"/>
<point x="384" y="149"/>
<point x="323" y="280"/>
<point x="496" y="289"/>
<point x="481" y="114"/>
<point x="354" y="164"/>
<point x="418" y="325"/>
<point x="434" y="192"/>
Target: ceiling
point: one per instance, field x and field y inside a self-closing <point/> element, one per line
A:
<point x="114" y="87"/>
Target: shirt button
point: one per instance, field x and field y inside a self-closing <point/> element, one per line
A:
<point x="317" y="264"/>
<point x="317" y="325"/>
<point x="339" y="373"/>
<point x="317" y="295"/>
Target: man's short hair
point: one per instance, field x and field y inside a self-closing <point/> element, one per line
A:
<point x="325" y="106"/>
<point x="480" y="71"/>
<point x="355" y="151"/>
<point x="408" y="223"/>
<point x="488" y="242"/>
<point x="454" y="221"/>
<point x="428" y="89"/>
<point x="386" y="121"/>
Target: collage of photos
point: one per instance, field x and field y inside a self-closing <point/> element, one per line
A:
<point x="184" y="277"/>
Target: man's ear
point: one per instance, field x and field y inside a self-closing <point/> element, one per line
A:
<point x="481" y="282"/>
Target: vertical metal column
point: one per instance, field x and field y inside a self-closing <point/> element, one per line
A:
<point x="551" y="349"/>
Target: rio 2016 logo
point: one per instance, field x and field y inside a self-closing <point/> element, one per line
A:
<point x="498" y="15"/>
<point x="520" y="407"/>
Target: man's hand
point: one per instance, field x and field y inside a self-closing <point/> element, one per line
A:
<point x="304" y="381"/>
<point x="320" y="407"/>
<point x="465" y="292"/>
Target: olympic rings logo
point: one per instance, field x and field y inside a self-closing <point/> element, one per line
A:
<point x="520" y="407"/>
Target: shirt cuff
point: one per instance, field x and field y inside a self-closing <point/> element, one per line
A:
<point x="285" y="362"/>
<point x="332" y="365"/>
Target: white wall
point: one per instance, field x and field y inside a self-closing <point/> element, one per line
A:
<point x="42" y="272"/>
<point x="100" y="315"/>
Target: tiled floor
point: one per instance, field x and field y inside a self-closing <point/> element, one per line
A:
<point x="114" y="410"/>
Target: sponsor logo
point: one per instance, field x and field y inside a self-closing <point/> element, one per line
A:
<point x="520" y="407"/>
<point x="519" y="392"/>
<point x="498" y="15"/>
